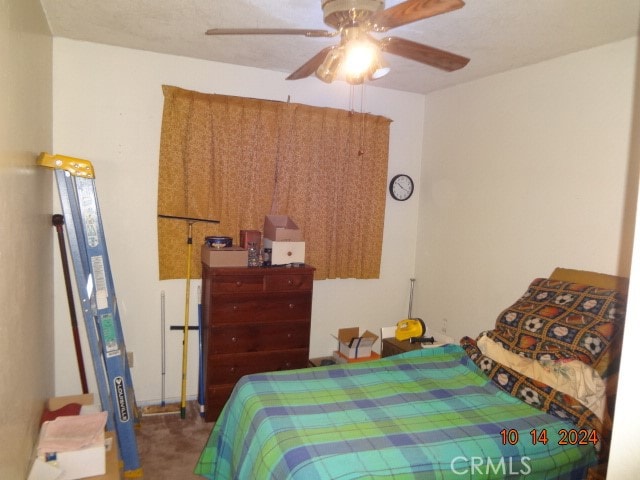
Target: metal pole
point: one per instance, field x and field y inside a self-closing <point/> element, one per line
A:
<point x="413" y="280"/>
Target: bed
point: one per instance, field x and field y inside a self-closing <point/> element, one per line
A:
<point x="459" y="411"/>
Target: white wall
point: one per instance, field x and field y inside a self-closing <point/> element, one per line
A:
<point x="26" y="260"/>
<point x="553" y="135"/>
<point x="107" y="109"/>
<point x="625" y="444"/>
<point x="524" y="171"/>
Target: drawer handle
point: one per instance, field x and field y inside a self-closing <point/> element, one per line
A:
<point x="232" y="369"/>
<point x="292" y="305"/>
<point x="290" y="282"/>
<point x="234" y="339"/>
<point x="238" y="283"/>
<point x="235" y="307"/>
<point x="289" y="335"/>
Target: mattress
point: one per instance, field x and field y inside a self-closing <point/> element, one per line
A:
<point x="427" y="414"/>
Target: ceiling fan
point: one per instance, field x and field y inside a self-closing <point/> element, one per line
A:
<point x="358" y="56"/>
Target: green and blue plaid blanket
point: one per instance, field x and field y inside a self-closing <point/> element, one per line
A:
<point x="427" y="414"/>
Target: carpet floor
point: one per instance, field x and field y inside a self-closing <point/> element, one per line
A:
<point x="170" y="446"/>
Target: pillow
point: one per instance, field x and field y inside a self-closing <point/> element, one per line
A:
<point x="567" y="376"/>
<point x="556" y="320"/>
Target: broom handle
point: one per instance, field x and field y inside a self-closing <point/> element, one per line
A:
<point x="58" y="221"/>
<point x="185" y="345"/>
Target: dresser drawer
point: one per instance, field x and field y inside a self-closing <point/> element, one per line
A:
<point x="216" y="397"/>
<point x="258" y="337"/>
<point x="237" y="284"/>
<point x="229" y="368"/>
<point x="288" y="282"/>
<point x="233" y="309"/>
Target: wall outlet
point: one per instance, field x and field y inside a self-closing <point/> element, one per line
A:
<point x="444" y="326"/>
<point x="130" y="359"/>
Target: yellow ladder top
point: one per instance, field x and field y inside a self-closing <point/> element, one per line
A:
<point x="75" y="166"/>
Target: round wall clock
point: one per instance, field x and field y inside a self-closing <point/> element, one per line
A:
<point x="401" y="187"/>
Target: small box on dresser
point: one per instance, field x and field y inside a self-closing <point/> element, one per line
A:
<point x="281" y="228"/>
<point x="283" y="253"/>
<point x="254" y="320"/>
<point x="224" y="257"/>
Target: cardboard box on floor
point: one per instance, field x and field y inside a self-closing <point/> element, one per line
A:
<point x="101" y="461"/>
<point x="112" y="460"/>
<point x="55" y="403"/>
<point x="340" y="359"/>
<point x="81" y="463"/>
<point x="42" y="470"/>
<point x="352" y="344"/>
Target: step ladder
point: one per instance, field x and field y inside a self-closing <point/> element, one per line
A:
<point x="76" y="186"/>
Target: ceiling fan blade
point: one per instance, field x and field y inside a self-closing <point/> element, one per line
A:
<point x="423" y="53"/>
<point x="312" y="65"/>
<point x="271" y="31"/>
<point x="412" y="11"/>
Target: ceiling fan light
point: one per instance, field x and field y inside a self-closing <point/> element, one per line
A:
<point x="359" y="57"/>
<point x="329" y="68"/>
<point x="380" y="68"/>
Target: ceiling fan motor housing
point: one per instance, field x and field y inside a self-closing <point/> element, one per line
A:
<point x="338" y="13"/>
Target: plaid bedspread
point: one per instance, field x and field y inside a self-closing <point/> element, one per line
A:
<point x="426" y="414"/>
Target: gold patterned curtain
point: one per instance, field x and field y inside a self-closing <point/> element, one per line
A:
<point x="238" y="159"/>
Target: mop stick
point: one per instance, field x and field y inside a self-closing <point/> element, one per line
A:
<point x="163" y="408"/>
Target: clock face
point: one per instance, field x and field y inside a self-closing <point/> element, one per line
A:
<point x="401" y="187"/>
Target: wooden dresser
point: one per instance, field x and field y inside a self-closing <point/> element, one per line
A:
<point x="254" y="320"/>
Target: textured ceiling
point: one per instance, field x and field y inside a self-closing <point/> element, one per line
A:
<point x="497" y="35"/>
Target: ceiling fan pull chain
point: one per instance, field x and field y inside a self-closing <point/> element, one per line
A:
<point x="361" y="149"/>
<point x="351" y="100"/>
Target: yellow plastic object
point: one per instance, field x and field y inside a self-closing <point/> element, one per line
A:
<point x="410" y="327"/>
<point x="75" y="166"/>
